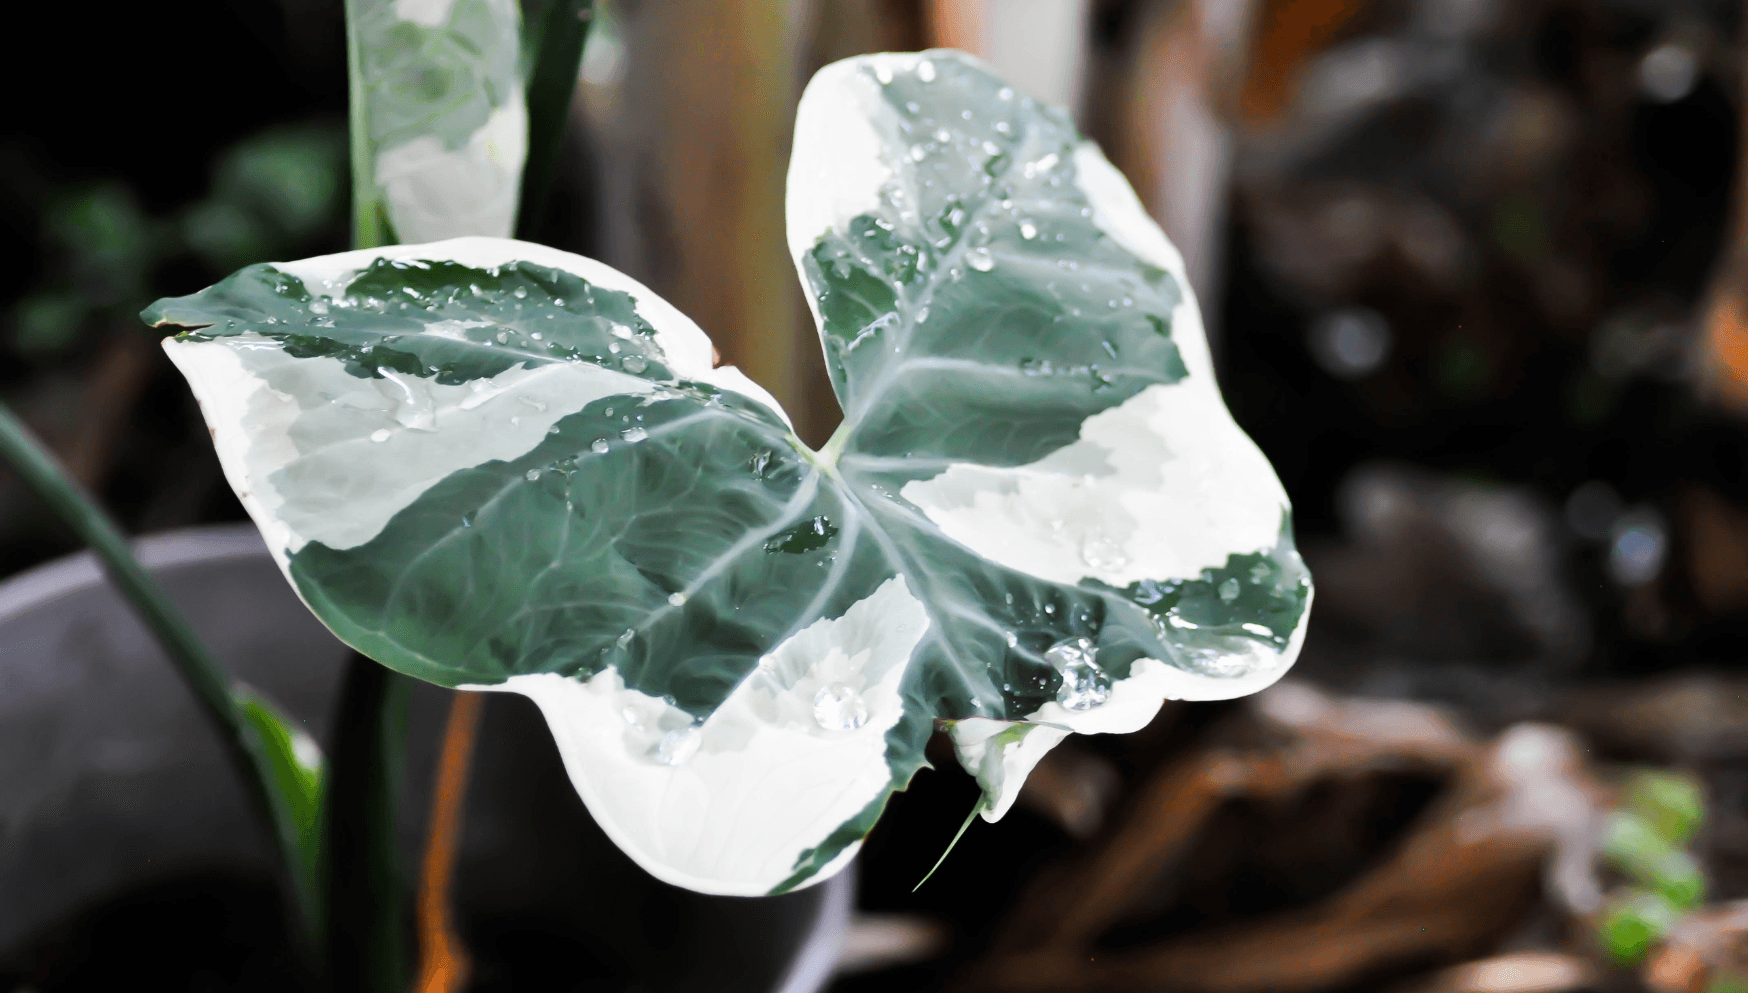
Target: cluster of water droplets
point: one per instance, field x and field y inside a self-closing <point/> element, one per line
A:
<point x="1084" y="684"/>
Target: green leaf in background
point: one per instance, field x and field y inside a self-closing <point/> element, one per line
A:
<point x="1633" y="843"/>
<point x="1680" y="880"/>
<point x="46" y="323"/>
<point x="1672" y="803"/>
<point x="271" y="192"/>
<point x="490" y="464"/>
<point x="1633" y="922"/>
<point x="293" y="761"/>
<point x="440" y="130"/>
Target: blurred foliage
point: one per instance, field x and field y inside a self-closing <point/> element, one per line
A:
<point x="274" y="194"/>
<point x="1646" y="841"/>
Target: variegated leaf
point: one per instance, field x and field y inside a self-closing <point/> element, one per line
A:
<point x="491" y="464"/>
<point x="439" y="103"/>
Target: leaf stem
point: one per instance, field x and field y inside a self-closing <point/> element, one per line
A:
<point x="834" y="446"/>
<point x="552" y="81"/>
<point x="444" y="964"/>
<point x="366" y="944"/>
<point x="368" y="229"/>
<point x="173" y="633"/>
<point x="982" y="805"/>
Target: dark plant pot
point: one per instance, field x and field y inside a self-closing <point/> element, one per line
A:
<point x="118" y="811"/>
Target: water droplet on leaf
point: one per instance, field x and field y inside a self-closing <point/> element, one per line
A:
<point x="838" y="707"/>
<point x="1084" y="684"/>
<point x="380" y="435"/>
<point x="678" y="745"/>
<point x="1099" y="551"/>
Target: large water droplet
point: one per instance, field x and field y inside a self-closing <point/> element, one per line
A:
<point x="380" y="435"/>
<point x="677" y="599"/>
<point x="634" y="434"/>
<point x="479" y="391"/>
<point x="598" y="446"/>
<point x="633" y="364"/>
<point x="1028" y="230"/>
<point x="917" y="153"/>
<point x="521" y="292"/>
<point x="925" y="71"/>
<point x="1099" y="551"/>
<point x="531" y="475"/>
<point x="678" y="745"/>
<point x="413" y="402"/>
<point x="1229" y="591"/>
<point x="838" y="707"/>
<point x="980" y="259"/>
<point x="1084" y="684"/>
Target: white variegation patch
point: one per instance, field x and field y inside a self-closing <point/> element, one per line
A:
<point x="1118" y="212"/>
<point x="730" y="805"/>
<point x="1001" y="754"/>
<point x="837" y="168"/>
<point x="318" y="454"/>
<point x="435" y="192"/>
<point x="425" y="13"/>
<point x="1160" y="487"/>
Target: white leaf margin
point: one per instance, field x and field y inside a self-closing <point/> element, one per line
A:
<point x="759" y="782"/>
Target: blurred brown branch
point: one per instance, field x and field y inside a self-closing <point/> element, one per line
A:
<point x="1515" y="810"/>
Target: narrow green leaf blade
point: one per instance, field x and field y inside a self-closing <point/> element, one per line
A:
<point x="293" y="764"/>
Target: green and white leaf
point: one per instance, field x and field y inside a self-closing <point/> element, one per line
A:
<point x="494" y="465"/>
<point x="444" y="127"/>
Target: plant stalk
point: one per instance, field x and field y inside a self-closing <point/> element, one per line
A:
<point x="552" y="82"/>
<point x="174" y="635"/>
<point x="365" y="906"/>
<point x="444" y="964"/>
<point x="368" y="227"/>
